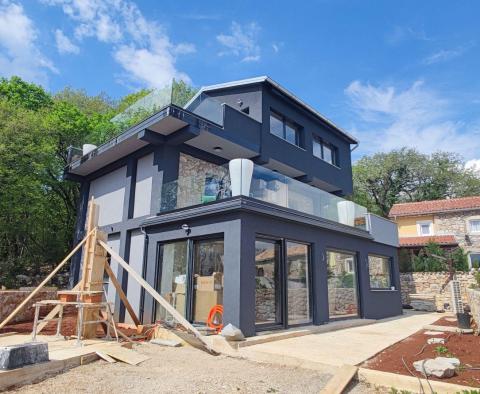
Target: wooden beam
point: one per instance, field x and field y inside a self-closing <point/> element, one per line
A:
<point x="45" y="281"/>
<point x="53" y="313"/>
<point x="339" y="382"/>
<point x="162" y="301"/>
<point x="122" y="295"/>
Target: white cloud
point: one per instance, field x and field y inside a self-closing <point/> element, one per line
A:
<point x="140" y="46"/>
<point x="404" y="33"/>
<point x="474" y="165"/>
<point x="184" y="48"/>
<point x="19" y="54"/>
<point x="446" y="54"/>
<point x="64" y="45"/>
<point x="388" y="118"/>
<point x="241" y="42"/>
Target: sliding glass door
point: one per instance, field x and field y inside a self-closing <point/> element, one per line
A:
<point x="268" y="292"/>
<point x="190" y="277"/>
<point x="298" y="283"/>
<point x="172" y="278"/>
<point x="208" y="277"/>
<point x="282" y="292"/>
<point x="342" y="284"/>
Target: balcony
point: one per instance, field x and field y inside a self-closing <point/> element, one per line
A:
<point x="242" y="178"/>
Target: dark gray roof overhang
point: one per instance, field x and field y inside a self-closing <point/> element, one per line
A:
<point x="171" y="125"/>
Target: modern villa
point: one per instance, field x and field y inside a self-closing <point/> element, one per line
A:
<point x="238" y="199"/>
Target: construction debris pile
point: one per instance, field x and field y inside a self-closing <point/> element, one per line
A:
<point x="93" y="313"/>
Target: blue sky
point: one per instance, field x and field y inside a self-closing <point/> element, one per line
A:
<point x="392" y="73"/>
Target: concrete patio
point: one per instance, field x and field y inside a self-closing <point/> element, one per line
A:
<point x="345" y="346"/>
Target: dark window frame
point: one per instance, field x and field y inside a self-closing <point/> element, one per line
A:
<point x="322" y="143"/>
<point x="283" y="296"/>
<point x="286" y="122"/>
<point x="190" y="269"/>
<point x="390" y="272"/>
<point x="358" y="286"/>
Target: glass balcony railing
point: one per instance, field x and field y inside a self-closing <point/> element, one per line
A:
<point x="242" y="177"/>
<point x="177" y="93"/>
<point x="207" y="107"/>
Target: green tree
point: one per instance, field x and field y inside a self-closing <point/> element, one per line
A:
<point x="182" y="93"/>
<point x="426" y="260"/>
<point x="38" y="206"/>
<point x="406" y="175"/>
<point x="24" y="94"/>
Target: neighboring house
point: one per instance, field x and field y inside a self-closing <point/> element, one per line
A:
<point x="235" y="199"/>
<point x="450" y="223"/>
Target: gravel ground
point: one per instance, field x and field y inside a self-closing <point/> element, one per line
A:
<point x="183" y="370"/>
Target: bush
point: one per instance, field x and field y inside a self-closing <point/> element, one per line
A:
<point x="426" y="261"/>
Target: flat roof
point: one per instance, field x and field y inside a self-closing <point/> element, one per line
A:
<point x="286" y="92"/>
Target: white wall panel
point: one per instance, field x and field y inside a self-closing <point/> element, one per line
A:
<point x="109" y="193"/>
<point x="143" y="186"/>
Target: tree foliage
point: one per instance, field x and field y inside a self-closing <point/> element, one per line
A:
<point x="406" y="175"/>
<point x="37" y="206"/>
<point x="427" y="260"/>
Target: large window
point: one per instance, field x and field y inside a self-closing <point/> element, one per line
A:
<point x="379" y="268"/>
<point x="282" y="290"/>
<point x="268" y="308"/>
<point x="298" y="289"/>
<point x="285" y="129"/>
<point x="474" y="226"/>
<point x="191" y="282"/>
<point x="325" y="151"/>
<point x="342" y="284"/>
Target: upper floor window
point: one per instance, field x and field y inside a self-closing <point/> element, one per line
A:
<point x="474" y="226"/>
<point x="285" y="129"/>
<point x="325" y="151"/>
<point x="425" y="227"/>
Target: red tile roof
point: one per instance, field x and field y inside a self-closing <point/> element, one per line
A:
<point x="426" y="207"/>
<point x="422" y="241"/>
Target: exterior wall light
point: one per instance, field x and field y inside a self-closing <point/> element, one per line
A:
<point x="186" y="228"/>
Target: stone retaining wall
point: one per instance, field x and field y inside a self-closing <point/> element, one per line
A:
<point x="474" y="302"/>
<point x="434" y="283"/>
<point x="10" y="299"/>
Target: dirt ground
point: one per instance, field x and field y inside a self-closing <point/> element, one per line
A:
<point x="464" y="347"/>
<point x="181" y="370"/>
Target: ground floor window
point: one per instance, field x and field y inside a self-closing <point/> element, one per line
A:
<point x="474" y="259"/>
<point x="190" y="277"/>
<point x="342" y="284"/>
<point x="282" y="290"/>
<point x="298" y="283"/>
<point x="379" y="269"/>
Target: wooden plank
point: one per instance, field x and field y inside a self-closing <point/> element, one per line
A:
<point x="162" y="301"/>
<point x="121" y="294"/>
<point x="7" y="334"/>
<point x="105" y="356"/>
<point x="125" y="355"/>
<point x="338" y="382"/>
<point x="37" y="372"/>
<point x="53" y="312"/>
<point x="45" y="281"/>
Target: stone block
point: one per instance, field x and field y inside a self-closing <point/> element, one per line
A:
<point x="17" y="356"/>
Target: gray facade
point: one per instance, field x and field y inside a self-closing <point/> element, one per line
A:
<point x="131" y="178"/>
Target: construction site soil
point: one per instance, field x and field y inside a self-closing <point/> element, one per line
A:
<point x="465" y="347"/>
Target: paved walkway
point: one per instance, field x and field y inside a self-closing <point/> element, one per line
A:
<point x="349" y="346"/>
